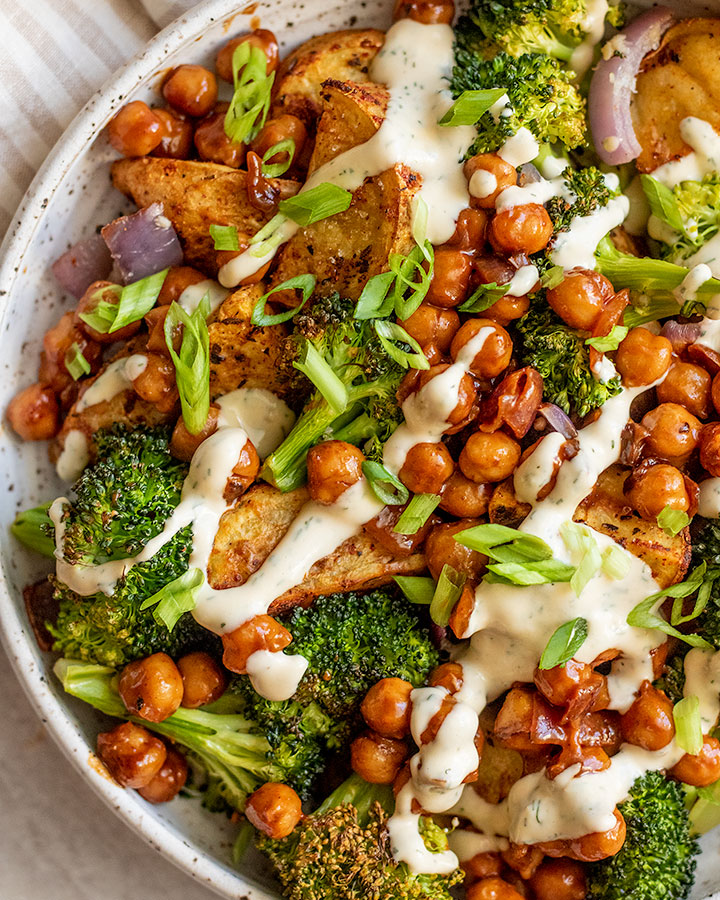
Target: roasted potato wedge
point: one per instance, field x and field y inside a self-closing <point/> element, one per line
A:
<point x="344" y="55"/>
<point x="196" y="195"/>
<point x="679" y="79"/>
<point x="250" y="531"/>
<point x="352" y="113"/>
<point x="606" y="510"/>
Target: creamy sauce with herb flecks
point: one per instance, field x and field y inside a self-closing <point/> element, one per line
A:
<point x="117" y="377"/>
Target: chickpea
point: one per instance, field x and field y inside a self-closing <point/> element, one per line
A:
<point x="656" y="487"/>
<point x="643" y="357"/>
<point x="183" y="444"/>
<point x="135" y="130"/>
<point x="482" y="865"/>
<point x="492" y="888"/>
<point x="169" y="781"/>
<point x="690" y="386"/>
<point x="649" y="721"/>
<point x="451" y="278"/>
<point x="426" y="468"/>
<point x="377" y="759"/>
<point x="333" y="467"/>
<point x="156" y="383"/>
<point x="465" y="498"/>
<point x="470" y="231"/>
<point x="274" y="809"/>
<point x="428" y="12"/>
<point x="494" y="352"/>
<point x="590" y="847"/>
<point x="278" y="129"/>
<point x="715" y="393"/>
<point x="489" y="457"/>
<point x="673" y="432"/>
<point x="466" y="393"/>
<point x="259" y="633"/>
<point x="580" y="297"/>
<point x="710" y="448"/>
<point x="523" y="859"/>
<point x="131" y="754"/>
<point x="34" y="413"/>
<point x="213" y="145"/>
<point x="448" y="675"/>
<point x="106" y="292"/>
<point x="495" y="174"/>
<point x="177" y="280"/>
<point x="262" y="38"/>
<point x="507" y="309"/>
<point x="57" y="343"/>
<point x="702" y="769"/>
<point x="155" y="321"/>
<point x="191" y="90"/>
<point x="177" y="136"/>
<point x="244" y="472"/>
<point x="432" y="325"/>
<point x="441" y="548"/>
<point x="151" y="688"/>
<point x="386" y="707"/>
<point x="204" y="681"/>
<point x="559" y="879"/>
<point x="521" y="229"/>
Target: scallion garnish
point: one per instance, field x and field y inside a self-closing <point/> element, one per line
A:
<point x="447" y="593"/>
<point x="75" y="362"/>
<point x="580" y="541"/>
<point x="663" y="204"/>
<point x="318" y="370"/>
<point x="251" y="93"/>
<point x="483" y="297"/>
<point x="470" y="106"/>
<point x="390" y="334"/>
<point x="416" y="588"/>
<point x="275" y="170"/>
<point x="304" y="283"/>
<point x="564" y="643"/>
<point x="609" y="341"/>
<point x="615" y="562"/>
<point x="688" y="725"/>
<point x="376" y="301"/>
<point x="318" y="203"/>
<point x="175" y="599"/>
<point x="672" y="521"/>
<point x="192" y="363"/>
<point x="545" y="571"/>
<point x="225" y="237"/>
<point x="136" y="299"/>
<point x="552" y="277"/>
<point x="416" y="514"/>
<point x="270" y="236"/>
<point x="386" y="487"/>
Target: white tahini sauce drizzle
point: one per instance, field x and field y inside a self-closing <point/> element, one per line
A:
<point x="690" y="285"/>
<point x="116" y="378"/>
<point x="702" y="680"/>
<point x="519" y="149"/>
<point x="482" y="183"/>
<point x="275" y="676"/>
<point x="415" y="63"/>
<point x="74" y="456"/>
<point x="523" y="281"/>
<point x="265" y="417"/>
<point x="703" y="160"/>
<point x="594" y="28"/>
<point x="194" y="293"/>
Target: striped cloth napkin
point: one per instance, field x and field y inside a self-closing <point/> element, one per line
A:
<point x="56" y="54"/>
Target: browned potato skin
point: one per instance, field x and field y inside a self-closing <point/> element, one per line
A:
<point x="351" y="114"/>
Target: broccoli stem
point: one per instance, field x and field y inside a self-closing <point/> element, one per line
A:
<point x="360" y="429"/>
<point x="32" y="528"/>
<point x="362" y="795"/>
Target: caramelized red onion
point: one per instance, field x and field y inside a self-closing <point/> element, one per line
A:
<point x="87" y="261"/>
<point x="680" y="334"/>
<point x="558" y="420"/>
<point x="143" y="243"/>
<point x="613" y="84"/>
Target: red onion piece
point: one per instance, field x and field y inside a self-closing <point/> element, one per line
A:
<point x="528" y="174"/>
<point x="143" y="243"/>
<point x="613" y="84"/>
<point x="680" y="334"/>
<point x="87" y="261"/>
<point x="558" y="420"/>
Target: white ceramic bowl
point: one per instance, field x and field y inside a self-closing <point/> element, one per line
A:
<point x="70" y="196"/>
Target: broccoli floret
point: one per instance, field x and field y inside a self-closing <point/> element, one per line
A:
<point x="698" y="206"/>
<point x="349" y="349"/>
<point x="672" y="680"/>
<point x="706" y="548"/>
<point x="560" y="355"/>
<point x="656" y="861"/>
<point x="588" y="189"/>
<point x="342" y="852"/>
<point x="541" y="95"/>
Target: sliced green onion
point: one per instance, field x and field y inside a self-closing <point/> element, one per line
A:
<point x="175" y="599"/>
<point x="609" y="341"/>
<point x="484" y="297"/>
<point x="225" y="237"/>
<point x="384" y="484"/>
<point x="33" y="528"/>
<point x="319" y="371"/>
<point x="75" y="362"/>
<point x="663" y="204"/>
<point x="587" y="569"/>
<point x="318" y="203"/>
<point x="304" y="283"/>
<point x="470" y="106"/>
<point x="615" y="562"/>
<point x="250" y="101"/>
<point x="420" y="217"/>
<point x="135" y="301"/>
<point x="503" y="544"/>
<point x="102" y="315"/>
<point x="688" y="725"/>
<point x="546" y="571"/>
<point x="552" y="277"/>
<point x="376" y="301"/>
<point x="645" y="614"/>
<point x="275" y="170"/>
<point x="447" y="593"/>
<point x="388" y="334"/>
<point x="416" y="588"/>
<point x="266" y="241"/>
<point x="564" y="643"/>
<point x="412" y="279"/>
<point x="192" y="363"/>
<point x="416" y="514"/>
<point x="672" y="521"/>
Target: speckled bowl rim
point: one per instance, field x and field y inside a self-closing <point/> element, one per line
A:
<point x="86" y="125"/>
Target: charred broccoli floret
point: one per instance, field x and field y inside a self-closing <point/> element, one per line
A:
<point x="587" y="190"/>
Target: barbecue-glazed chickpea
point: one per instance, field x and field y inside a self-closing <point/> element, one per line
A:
<point x="702" y="769"/>
<point x="244" y="472"/>
<point x="106" y="292"/>
<point x="177" y="280"/>
<point x="426" y="468"/>
<point x="441" y="548"/>
<point x="507" y="309"/>
<point x="448" y="675"/>
<point x="151" y="688"/>
<point x="494" y="347"/>
<point x="281" y="128"/>
<point x="649" y="721"/>
<point x="451" y="278"/>
<point x="131" y="754"/>
<point x="274" y="809"/>
<point x="259" y="633"/>
<point x="715" y="393"/>
<point x="521" y="229"/>
<point x="204" y="680"/>
<point x="183" y="444"/>
<point x="333" y="467"/>
<point x="489" y="457"/>
<point x="262" y="38"/>
<point x="169" y="781"/>
<point x="492" y="888"/>
<point x="432" y="325"/>
<point x="466" y="392"/>
<point x="559" y="879"/>
<point x="690" y="386"/>
<point x="580" y="297"/>
<point x="710" y="448"/>
<point x="590" y="847"/>
<point x="643" y="357"/>
<point x="377" y="759"/>
<point x="470" y="231"/>
<point x="657" y="487"/>
<point x="156" y="383"/>
<point x="177" y="136"/>
<point x="386" y="707"/>
<point x="57" y="344"/>
<point x="34" y="413"/>
<point x="191" y="90"/>
<point x="155" y="321"/>
<point x="488" y="175"/>
<point x="135" y="130"/>
<point x="465" y="498"/>
<point x="428" y="12"/>
<point x="213" y="145"/>
<point x="482" y="865"/>
<point x="673" y="432"/>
